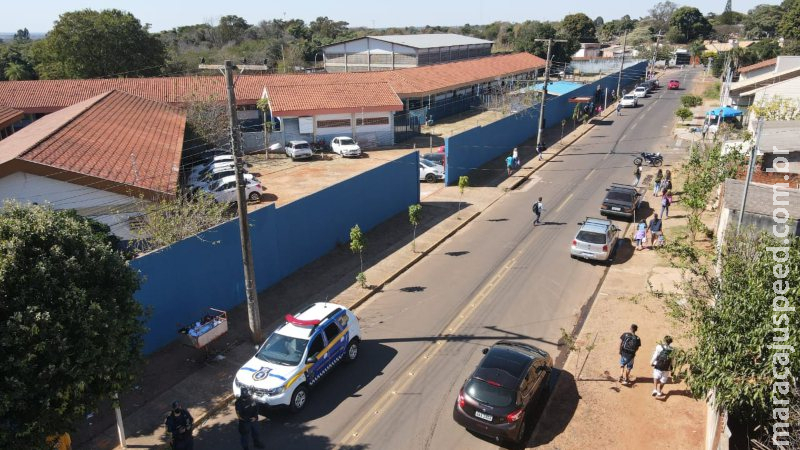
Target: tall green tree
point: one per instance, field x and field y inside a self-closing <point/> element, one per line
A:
<point x="660" y="15"/>
<point x="688" y="23"/>
<point x="231" y="29"/>
<point x="762" y="21"/>
<point x="579" y="26"/>
<point x="71" y="329"/>
<point x="22" y="36"/>
<point x="89" y="44"/>
<point x="789" y="27"/>
<point x="526" y="33"/>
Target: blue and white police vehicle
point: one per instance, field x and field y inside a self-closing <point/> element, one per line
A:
<point x="298" y="354"/>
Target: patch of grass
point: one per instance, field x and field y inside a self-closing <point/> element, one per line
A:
<point x="712" y="91"/>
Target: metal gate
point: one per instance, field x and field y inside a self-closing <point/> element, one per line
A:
<point x="406" y="126"/>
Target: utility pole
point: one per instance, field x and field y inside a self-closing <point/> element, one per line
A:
<point x="244" y="231"/>
<point x="544" y="89"/>
<point x="621" y="66"/>
<point x="753" y="152"/>
<point x="655" y="56"/>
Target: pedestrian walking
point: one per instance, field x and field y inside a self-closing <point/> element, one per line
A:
<point x="666" y="200"/>
<point x="179" y="426"/>
<point x="509" y="163"/>
<point x="540" y="148"/>
<point x="637" y="173"/>
<point x="662" y="366"/>
<point x="657" y="182"/>
<point x="640" y="234"/>
<point x="515" y="154"/>
<point x="655" y="229"/>
<point x="705" y="130"/>
<point x="538" y="207"/>
<point x="247" y="413"/>
<point x="619" y="109"/>
<point x="628" y="345"/>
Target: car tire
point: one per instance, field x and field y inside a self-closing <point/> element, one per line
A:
<point x="351" y="352"/>
<point x="254" y="197"/>
<point x="299" y="399"/>
<point x="430" y="178"/>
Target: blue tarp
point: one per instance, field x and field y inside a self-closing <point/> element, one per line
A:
<point x="558" y="87"/>
<point x="725" y="112"/>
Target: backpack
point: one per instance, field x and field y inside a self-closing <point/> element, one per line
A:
<point x="664" y="359"/>
<point x="536" y="208"/>
<point x="665" y="201"/>
<point x="630" y="343"/>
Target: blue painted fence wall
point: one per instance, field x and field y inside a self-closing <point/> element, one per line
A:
<point x="182" y="280"/>
<point x="473" y="148"/>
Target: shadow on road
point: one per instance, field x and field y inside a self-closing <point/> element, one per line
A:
<point x="298" y="436"/>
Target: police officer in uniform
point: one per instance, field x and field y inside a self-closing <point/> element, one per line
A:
<point x="247" y="412"/>
<point x="179" y="425"/>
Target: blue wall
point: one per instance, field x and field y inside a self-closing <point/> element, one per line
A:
<point x="182" y="280"/>
<point x="473" y="148"/>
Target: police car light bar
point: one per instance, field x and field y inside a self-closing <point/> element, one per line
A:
<point x="301" y="323"/>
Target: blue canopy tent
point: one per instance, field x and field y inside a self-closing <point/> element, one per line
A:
<point x="724" y="112"/>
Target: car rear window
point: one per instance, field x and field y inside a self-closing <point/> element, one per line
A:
<point x="489" y="394"/>
<point x="346" y="141"/>
<point x="591" y="237"/>
<point x="303" y="145"/>
<point x="618" y="196"/>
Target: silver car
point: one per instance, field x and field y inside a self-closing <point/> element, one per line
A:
<point x="596" y="240"/>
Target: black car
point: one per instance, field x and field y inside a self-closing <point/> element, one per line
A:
<point x="621" y="200"/>
<point x="495" y="399"/>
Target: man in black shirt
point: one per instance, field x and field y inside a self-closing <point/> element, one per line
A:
<point x="247" y="412"/>
<point x="628" y="345"/>
<point x="179" y="425"/>
<point x="655" y="229"/>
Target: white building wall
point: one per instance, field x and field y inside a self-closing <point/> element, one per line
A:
<point x="756" y="73"/>
<point x="27" y="188"/>
<point x="787" y="62"/>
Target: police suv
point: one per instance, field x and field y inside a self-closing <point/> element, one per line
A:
<point x="298" y="354"/>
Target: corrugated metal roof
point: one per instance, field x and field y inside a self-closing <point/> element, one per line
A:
<point x="780" y="135"/>
<point x="430" y="40"/>
<point x="114" y="136"/>
<point x="759" y="198"/>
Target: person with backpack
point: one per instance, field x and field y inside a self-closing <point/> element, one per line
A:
<point x="247" y="413"/>
<point x="655" y="229"/>
<point x="657" y="182"/>
<point x="662" y="366"/>
<point x="666" y="200"/>
<point x="637" y="173"/>
<point x="537" y="209"/>
<point x="641" y="234"/>
<point x="540" y="148"/>
<point x="179" y="425"/>
<point x="509" y="163"/>
<point x="515" y="154"/>
<point x="629" y="344"/>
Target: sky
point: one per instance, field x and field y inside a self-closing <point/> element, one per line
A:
<point x="165" y="15"/>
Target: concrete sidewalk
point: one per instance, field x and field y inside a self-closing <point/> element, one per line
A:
<point x="203" y="385"/>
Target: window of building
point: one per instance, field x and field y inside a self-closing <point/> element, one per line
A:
<point x="333" y="123"/>
<point x="372" y="121"/>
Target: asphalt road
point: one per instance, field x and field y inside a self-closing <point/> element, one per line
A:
<point x="498" y="278"/>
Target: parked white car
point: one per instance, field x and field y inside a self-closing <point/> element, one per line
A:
<point x="203" y="172"/>
<point x="224" y="190"/>
<point x="205" y="181"/>
<point x="299" y="150"/>
<point x="640" y="92"/>
<point x="345" y="146"/>
<point x="629" y="101"/>
<point x="429" y="171"/>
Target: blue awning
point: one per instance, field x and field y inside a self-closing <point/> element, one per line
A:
<point x="725" y="112"/>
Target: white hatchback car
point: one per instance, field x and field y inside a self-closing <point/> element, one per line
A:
<point x="596" y="240"/>
<point x="640" y="92"/>
<point x="629" y="101"/>
<point x="299" y="150"/>
<point x="345" y="146"/>
<point x="298" y="354"/>
<point x="224" y="190"/>
<point x="429" y="171"/>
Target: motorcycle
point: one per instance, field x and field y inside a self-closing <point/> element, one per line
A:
<point x="654" y="159"/>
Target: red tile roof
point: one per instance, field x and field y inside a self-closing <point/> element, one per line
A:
<point x="116" y="137"/>
<point x="9" y="116"/>
<point x="760" y="65"/>
<point x="306" y="99"/>
<point x="52" y="95"/>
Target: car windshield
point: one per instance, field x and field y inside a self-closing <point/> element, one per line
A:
<point x="284" y="350"/>
<point x="628" y="97"/>
<point x="641" y="88"/>
<point x="591" y="237"/>
<point x="302" y="145"/>
<point x="426" y="163"/>
<point x="346" y="141"/>
<point x="489" y="394"/>
<point x="618" y="196"/>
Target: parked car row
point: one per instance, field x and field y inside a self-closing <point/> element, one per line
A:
<point x="217" y="177"/>
<point x="342" y="145"/>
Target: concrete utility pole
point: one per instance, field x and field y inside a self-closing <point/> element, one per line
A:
<point x="544" y="89"/>
<point x="655" y="56"/>
<point x="244" y="231"/>
<point x="753" y="153"/>
<point x="621" y="66"/>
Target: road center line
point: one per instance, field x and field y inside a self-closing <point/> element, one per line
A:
<point x="566" y="200"/>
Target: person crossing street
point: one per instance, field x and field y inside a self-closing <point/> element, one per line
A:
<point x="538" y="207"/>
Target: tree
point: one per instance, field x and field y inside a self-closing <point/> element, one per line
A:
<point x="208" y="118"/>
<point x="414" y="213"/>
<point x="789" y="26"/>
<point x="171" y="220"/>
<point x="660" y="15"/>
<point x="463" y="183"/>
<point x="72" y="331"/>
<point x="762" y="20"/>
<point x="91" y="44"/>
<point x="598" y="22"/>
<point x="17" y="72"/>
<point x="777" y="108"/>
<point x="579" y="26"/>
<point x="689" y="24"/>
<point x="684" y="114"/>
<point x="738" y="320"/>
<point x="357" y="244"/>
<point x="526" y="33"/>
<point x="231" y="29"/>
<point x="22" y="36"/>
